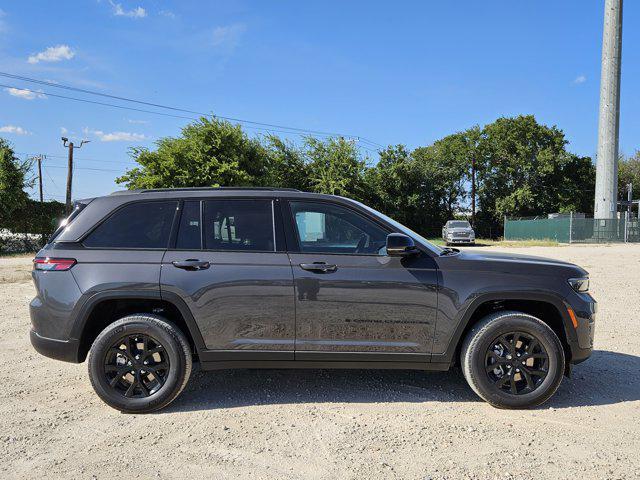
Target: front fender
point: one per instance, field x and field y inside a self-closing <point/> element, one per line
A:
<point x="450" y="328"/>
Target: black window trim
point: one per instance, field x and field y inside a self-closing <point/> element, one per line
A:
<point x="175" y="201"/>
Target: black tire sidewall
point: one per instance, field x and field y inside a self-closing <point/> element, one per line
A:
<point x="129" y="326"/>
<point x="528" y="325"/>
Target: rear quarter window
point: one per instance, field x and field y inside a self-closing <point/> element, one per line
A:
<point x="136" y="225"/>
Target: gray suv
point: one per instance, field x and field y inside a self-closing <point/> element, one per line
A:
<point x="146" y="282"/>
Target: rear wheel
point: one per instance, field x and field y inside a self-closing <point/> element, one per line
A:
<point x="513" y="360"/>
<point x="140" y="363"/>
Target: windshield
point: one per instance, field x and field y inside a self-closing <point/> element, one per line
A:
<point x="460" y="224"/>
<point x="406" y="230"/>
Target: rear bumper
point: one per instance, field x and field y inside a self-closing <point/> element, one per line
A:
<point x="65" y="350"/>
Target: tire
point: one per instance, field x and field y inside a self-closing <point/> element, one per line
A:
<point x="156" y="341"/>
<point x="485" y="346"/>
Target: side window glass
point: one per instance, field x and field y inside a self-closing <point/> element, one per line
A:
<point x="333" y="229"/>
<point x="137" y="225"/>
<point x="242" y="225"/>
<point x="189" y="233"/>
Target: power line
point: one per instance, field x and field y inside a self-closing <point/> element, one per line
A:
<point x="85" y="159"/>
<point x="87" y="168"/>
<point x="176" y="109"/>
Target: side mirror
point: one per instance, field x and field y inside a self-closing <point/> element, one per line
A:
<point x="400" y="245"/>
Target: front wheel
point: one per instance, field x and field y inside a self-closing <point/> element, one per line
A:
<point x="513" y="360"/>
<point x="140" y="363"/>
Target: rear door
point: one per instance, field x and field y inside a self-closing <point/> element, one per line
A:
<point x="230" y="268"/>
<point x="353" y="302"/>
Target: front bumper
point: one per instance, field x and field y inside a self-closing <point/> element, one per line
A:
<point x="65" y="350"/>
<point x="461" y="240"/>
<point x="582" y="345"/>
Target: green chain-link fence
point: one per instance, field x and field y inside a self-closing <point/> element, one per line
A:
<point x="569" y="229"/>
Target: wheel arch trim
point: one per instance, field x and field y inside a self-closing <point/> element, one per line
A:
<point x="537" y="296"/>
<point x="86" y="308"/>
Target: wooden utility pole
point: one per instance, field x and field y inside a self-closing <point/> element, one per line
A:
<point x="71" y="147"/>
<point x="473" y="192"/>
<point x="39" y="158"/>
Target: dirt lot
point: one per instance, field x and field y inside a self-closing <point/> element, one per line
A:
<point x="331" y="424"/>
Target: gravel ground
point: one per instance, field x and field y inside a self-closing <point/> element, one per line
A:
<point x="331" y="424"/>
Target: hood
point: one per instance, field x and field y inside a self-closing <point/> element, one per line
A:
<point x="517" y="263"/>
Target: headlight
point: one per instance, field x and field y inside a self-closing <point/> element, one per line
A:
<point x="579" y="284"/>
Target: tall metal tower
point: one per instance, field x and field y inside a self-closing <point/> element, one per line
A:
<point x="609" y="120"/>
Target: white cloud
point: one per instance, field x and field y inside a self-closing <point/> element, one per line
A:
<point x="25" y="93"/>
<point x="115" y="136"/>
<point x="579" y="80"/>
<point x="137" y="122"/>
<point x="63" y="130"/>
<point x="167" y="14"/>
<point x="53" y="54"/>
<point x="228" y="36"/>
<point x="3" y="24"/>
<point x="118" y="11"/>
<point x="13" y="129"/>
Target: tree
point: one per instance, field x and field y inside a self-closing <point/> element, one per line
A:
<point x="448" y="163"/>
<point x="13" y="181"/>
<point x="629" y="172"/>
<point x="525" y="170"/>
<point x="335" y="166"/>
<point x="210" y="152"/>
<point x="286" y="166"/>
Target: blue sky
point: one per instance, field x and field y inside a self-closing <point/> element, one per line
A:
<point x="393" y="72"/>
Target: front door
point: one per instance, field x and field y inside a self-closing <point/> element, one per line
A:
<point x="227" y="268"/>
<point x="353" y="302"/>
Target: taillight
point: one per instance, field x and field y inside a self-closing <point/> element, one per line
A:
<point x="53" y="264"/>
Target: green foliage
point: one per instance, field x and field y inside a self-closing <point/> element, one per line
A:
<point x="35" y="217"/>
<point x="335" y="166"/>
<point x="629" y="172"/>
<point x="523" y="168"/>
<point x="209" y="153"/>
<point x="13" y="181"/>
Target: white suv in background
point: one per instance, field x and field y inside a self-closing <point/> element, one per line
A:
<point x="458" y="231"/>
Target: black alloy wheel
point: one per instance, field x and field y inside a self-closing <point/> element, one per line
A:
<point x="517" y="363"/>
<point x="136" y="366"/>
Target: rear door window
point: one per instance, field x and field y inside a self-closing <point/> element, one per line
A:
<point x="240" y="225"/>
<point x="137" y="225"/>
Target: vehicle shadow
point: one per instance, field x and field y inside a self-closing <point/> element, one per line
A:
<point x="606" y="378"/>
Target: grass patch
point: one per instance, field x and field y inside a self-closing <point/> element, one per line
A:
<point x="485" y="242"/>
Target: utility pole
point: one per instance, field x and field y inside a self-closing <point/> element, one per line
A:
<point x="71" y="147"/>
<point x="39" y="159"/>
<point x="40" y="177"/>
<point x="473" y="192"/>
<point x="609" y="121"/>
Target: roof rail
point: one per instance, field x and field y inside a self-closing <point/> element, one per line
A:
<point x="197" y="189"/>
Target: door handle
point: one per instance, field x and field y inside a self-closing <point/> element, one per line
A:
<point x="319" y="267"/>
<point x="192" y="264"/>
